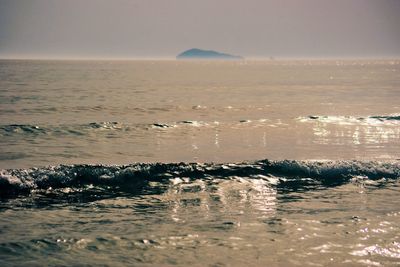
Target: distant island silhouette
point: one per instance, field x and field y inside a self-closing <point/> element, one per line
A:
<point x="196" y="53"/>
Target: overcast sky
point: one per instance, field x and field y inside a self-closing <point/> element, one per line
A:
<point x="164" y="28"/>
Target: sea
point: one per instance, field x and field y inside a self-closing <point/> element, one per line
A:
<point x="200" y="163"/>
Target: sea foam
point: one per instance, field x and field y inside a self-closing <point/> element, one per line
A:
<point x="16" y="181"/>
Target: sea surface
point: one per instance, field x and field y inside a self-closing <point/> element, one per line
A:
<point x="201" y="163"/>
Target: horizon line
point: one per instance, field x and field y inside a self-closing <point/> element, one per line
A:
<point x="252" y="58"/>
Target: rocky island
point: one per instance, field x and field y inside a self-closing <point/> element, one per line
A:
<point x="196" y="53"/>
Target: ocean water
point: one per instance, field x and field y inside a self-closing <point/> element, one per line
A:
<point x="208" y="163"/>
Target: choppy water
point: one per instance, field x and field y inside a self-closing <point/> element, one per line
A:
<point x="327" y="195"/>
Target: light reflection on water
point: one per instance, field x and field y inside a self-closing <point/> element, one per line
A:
<point x="233" y="221"/>
<point x="363" y="134"/>
<point x="355" y="135"/>
<point x="330" y="137"/>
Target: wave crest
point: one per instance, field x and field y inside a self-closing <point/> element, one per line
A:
<point x="17" y="181"/>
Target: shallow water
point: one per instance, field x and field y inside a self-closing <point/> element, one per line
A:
<point x="283" y="213"/>
<point x="327" y="196"/>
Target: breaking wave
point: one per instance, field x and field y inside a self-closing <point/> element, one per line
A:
<point x="288" y="173"/>
<point x="370" y="120"/>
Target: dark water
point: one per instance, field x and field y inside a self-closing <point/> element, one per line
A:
<point x="80" y="184"/>
<point x="257" y="213"/>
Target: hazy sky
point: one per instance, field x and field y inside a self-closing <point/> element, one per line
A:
<point x="163" y="28"/>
